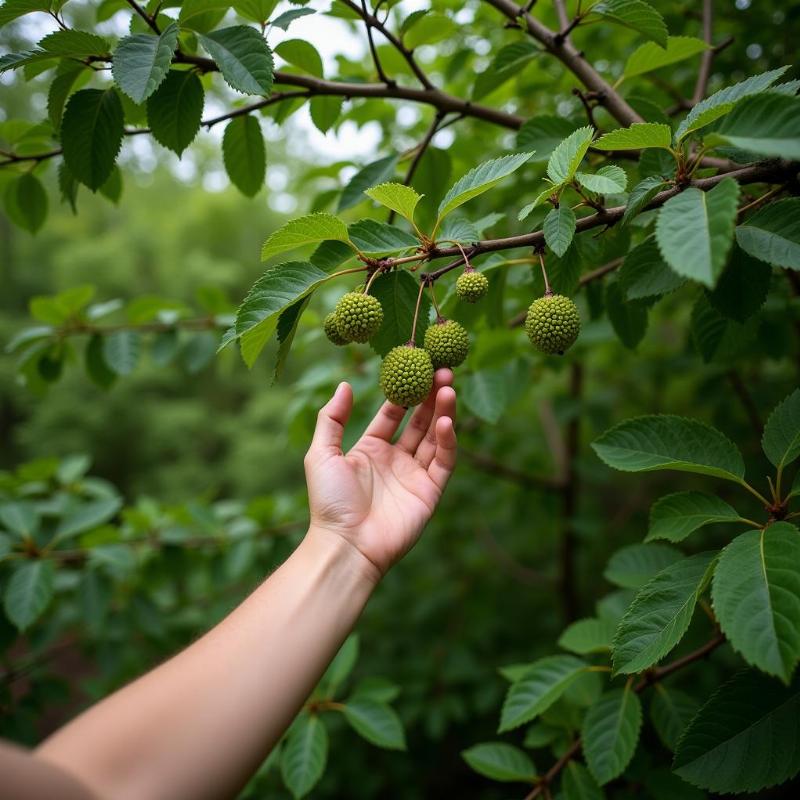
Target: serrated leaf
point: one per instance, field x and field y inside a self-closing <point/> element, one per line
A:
<point x="255" y="10"/>
<point x="671" y="710"/>
<point x="567" y="156"/>
<point x="28" y="592"/>
<point x="479" y="180"/>
<point x="664" y="441"/>
<point x="627" y="318"/>
<point x="284" y="20"/>
<point x="141" y="62"/>
<point x="121" y="350"/>
<point x="767" y="124"/>
<point x="396" y="196"/>
<point x="377" y="722"/>
<point x="610" y="179"/>
<point x="649" y="56"/>
<point x="631" y="567"/>
<point x="428" y="28"/>
<point x="500" y="762"/>
<point x="660" y="614"/>
<point x="610" y="733"/>
<point x="72" y="43"/>
<point x="525" y="211"/>
<point x="641" y="195"/>
<point x="716" y="337"/>
<point x="243" y="57"/>
<point x="244" y="154"/>
<point x="196" y="14"/>
<point x="174" y="110"/>
<point x="721" y="102"/>
<point x="675" y="516"/>
<point x="380" y="239"/>
<point x="539" y="687"/>
<point x="304" y="755"/>
<point x="772" y="234"/>
<point x="26" y="202"/>
<point x="559" y="228"/>
<point x="13" y="9"/>
<point x="577" y="783"/>
<point x="286" y="330"/>
<point x="694" y="230"/>
<point x="508" y="63"/>
<point x="91" y="134"/>
<point x="636" y="15"/>
<point x="397" y="292"/>
<point x="458" y="229"/>
<point x="374" y="173"/>
<point x="302" y="54"/>
<point x="644" y="274"/>
<point x="638" y="136"/>
<point x="587" y="636"/>
<point x="541" y="135"/>
<point x="756" y="596"/>
<point x="742" y="288"/>
<point x="297" y="232"/>
<point x="781" y="438"/>
<point x="745" y="738"/>
<point x="325" y="110"/>
<point x="67" y="74"/>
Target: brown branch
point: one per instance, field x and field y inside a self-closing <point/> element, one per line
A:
<point x="373" y="51"/>
<point x="704" y="73"/>
<point x="561" y="13"/>
<point x="145" y="16"/>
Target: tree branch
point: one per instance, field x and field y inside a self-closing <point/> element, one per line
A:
<point x="704" y="72"/>
<point x="373" y="51"/>
<point x="145" y="16"/>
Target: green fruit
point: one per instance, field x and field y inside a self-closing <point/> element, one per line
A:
<point x="406" y="375"/>
<point x="447" y="342"/>
<point x="471" y="286"/>
<point x="332" y="330"/>
<point x="358" y="316"/>
<point x="553" y="323"/>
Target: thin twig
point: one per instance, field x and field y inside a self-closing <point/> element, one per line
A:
<point x="145" y="16"/>
<point x="378" y="66"/>
<point x="704" y="73"/>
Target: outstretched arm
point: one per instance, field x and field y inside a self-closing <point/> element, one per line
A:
<point x="199" y="725"/>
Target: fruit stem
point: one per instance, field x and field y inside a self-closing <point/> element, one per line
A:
<point x="548" y="292"/>
<point x="435" y="304"/>
<point x="416" y="313"/>
<point x="370" y="279"/>
<point x="344" y="272"/>
<point x="467" y="266"/>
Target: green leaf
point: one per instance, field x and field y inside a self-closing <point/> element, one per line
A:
<point x="342" y="665"/>
<point x="87" y="516"/>
<point x="500" y="762"/>
<point x="283" y="21"/>
<point x="756" y="596"/>
<point x="277" y="289"/>
<point x="379" y="238"/>
<point x="67" y="73"/>
<point x="641" y="195"/>
<point x="96" y="366"/>
<point x="479" y="180"/>
<point x="660" y="614"/>
<point x="636" y="15"/>
<point x="721" y="102"/>
<point x="304" y="755"/>
<point x="244" y="154"/>
<point x="567" y="157"/>
<point x="745" y="738"/>
<point x="587" y="636"/>
<point x="196" y="14"/>
<point x="243" y="57"/>
<point x="397" y="292"/>
<point x="610" y="733"/>
<point x="766" y="124"/>
<point x="716" y="337"/>
<point x="428" y="29"/>
<point x="631" y="567"/>
<point x="396" y="196"/>
<point x="312" y="228"/>
<point x="651" y="56"/>
<point x="376" y="722"/>
<point x="73" y="44"/>
<point x="26" y="202"/>
<point x="781" y="438"/>
<point x="286" y="330"/>
<point x="644" y="274"/>
<point x="670" y="712"/>
<point x="577" y="783"/>
<point x="675" y="516"/>
<point x="302" y="54"/>
<point x="664" y="441"/>
<point x="629" y="319"/>
<point x="694" y="230"/>
<point x="610" y="179"/>
<point x="638" y="136"/>
<point x="508" y="63"/>
<point x="141" y="62"/>
<point x="772" y="234"/>
<point x="742" y="288"/>
<point x="559" y="228"/>
<point x="540" y="198"/>
<point x="28" y="592"/>
<point x="325" y="110"/>
<point x="121" y="351"/>
<point x="13" y="9"/>
<point x="91" y="135"/>
<point x="256" y="10"/>
<point x="539" y="687"/>
<point x="541" y="135"/>
<point x="20" y="518"/>
<point x="174" y="110"/>
<point x="112" y="188"/>
<point x="374" y="173"/>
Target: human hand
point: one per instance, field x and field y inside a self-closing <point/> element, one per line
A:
<point x="379" y="495"/>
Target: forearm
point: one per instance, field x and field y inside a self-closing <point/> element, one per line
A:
<point x="200" y="724"/>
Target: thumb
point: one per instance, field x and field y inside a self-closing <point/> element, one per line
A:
<point x="331" y="420"/>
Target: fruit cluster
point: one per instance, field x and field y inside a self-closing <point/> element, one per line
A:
<point x="406" y="374"/>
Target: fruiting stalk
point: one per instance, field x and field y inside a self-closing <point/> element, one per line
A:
<point x="548" y="292"/>
<point x="412" y="342"/>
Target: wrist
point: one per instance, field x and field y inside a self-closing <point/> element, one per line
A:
<point x="338" y="553"/>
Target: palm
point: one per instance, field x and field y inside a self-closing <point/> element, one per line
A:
<point x="380" y="495"/>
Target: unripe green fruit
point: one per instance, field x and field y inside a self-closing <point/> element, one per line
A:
<point x="447" y="342"/>
<point x="332" y="330"/>
<point x="553" y="323"/>
<point x="358" y="316"/>
<point x="471" y="286"/>
<point x="406" y="375"/>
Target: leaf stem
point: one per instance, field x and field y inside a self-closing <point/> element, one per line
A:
<point x="753" y="491"/>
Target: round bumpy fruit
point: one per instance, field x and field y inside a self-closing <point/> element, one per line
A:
<point x="332" y="330"/>
<point x="471" y="286"/>
<point x="447" y="342"/>
<point x="553" y="323"/>
<point x="406" y="375"/>
<point x="358" y="316"/>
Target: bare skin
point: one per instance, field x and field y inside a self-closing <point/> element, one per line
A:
<point x="200" y="724"/>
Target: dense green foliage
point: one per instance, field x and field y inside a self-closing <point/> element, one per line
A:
<point x="623" y="154"/>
